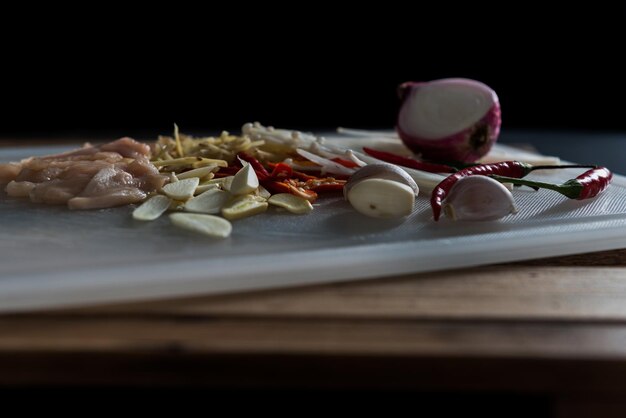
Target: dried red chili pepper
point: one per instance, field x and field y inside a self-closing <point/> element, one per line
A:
<point x="281" y="170"/>
<point x="388" y="157"/>
<point x="587" y="185"/>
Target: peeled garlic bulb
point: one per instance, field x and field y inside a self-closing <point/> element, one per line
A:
<point x="478" y="198"/>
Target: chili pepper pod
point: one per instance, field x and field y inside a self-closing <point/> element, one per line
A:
<point x="586" y="186"/>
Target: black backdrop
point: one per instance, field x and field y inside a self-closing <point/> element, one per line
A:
<point x="117" y="71"/>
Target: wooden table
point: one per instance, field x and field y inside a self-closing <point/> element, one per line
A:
<point x="551" y="329"/>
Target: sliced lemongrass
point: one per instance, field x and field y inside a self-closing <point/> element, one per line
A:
<point x="198" y="172"/>
<point x="152" y="208"/>
<point x="242" y="207"/>
<point x="244" y="182"/>
<point x="210" y="225"/>
<point x="263" y="192"/>
<point x="206" y="187"/>
<point x="196" y="161"/>
<point x="293" y="204"/>
<point x="182" y="189"/>
<point x="179" y="147"/>
<point x="211" y="201"/>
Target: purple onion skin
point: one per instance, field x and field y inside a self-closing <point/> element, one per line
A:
<point x="466" y="146"/>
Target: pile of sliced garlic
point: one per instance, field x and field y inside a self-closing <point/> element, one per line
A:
<point x="198" y="198"/>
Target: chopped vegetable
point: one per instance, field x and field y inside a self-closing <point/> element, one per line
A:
<point x="152" y="208"/>
<point x="210" y="202"/>
<point x="206" y="187"/>
<point x="244" y="182"/>
<point x="182" y="189"/>
<point x="210" y="225"/>
<point x="243" y="206"/>
<point x="202" y="172"/>
<point x="293" y="204"/>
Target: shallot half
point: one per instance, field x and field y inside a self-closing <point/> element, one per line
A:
<point x="453" y="119"/>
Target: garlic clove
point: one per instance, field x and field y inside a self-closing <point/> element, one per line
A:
<point x="380" y="171"/>
<point x="382" y="198"/>
<point x="478" y="198"/>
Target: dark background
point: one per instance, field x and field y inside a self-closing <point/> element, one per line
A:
<point x="304" y="66"/>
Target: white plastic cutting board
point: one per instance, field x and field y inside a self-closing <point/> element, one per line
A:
<point x="52" y="257"/>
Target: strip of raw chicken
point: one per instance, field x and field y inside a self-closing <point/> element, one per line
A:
<point x="113" y="174"/>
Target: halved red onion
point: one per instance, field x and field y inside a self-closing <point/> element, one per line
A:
<point x="453" y="119"/>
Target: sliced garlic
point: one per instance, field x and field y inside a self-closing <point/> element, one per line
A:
<point x="201" y="172"/>
<point x="226" y="182"/>
<point x="182" y="189"/>
<point x="382" y="198"/>
<point x="152" y="208"/>
<point x="208" y="202"/>
<point x="245" y="181"/>
<point x="263" y="192"/>
<point x="243" y="206"/>
<point x="210" y="225"/>
<point x="293" y="204"/>
<point x="478" y="198"/>
<point x="206" y="187"/>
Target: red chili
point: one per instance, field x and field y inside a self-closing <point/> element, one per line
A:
<point x="514" y="169"/>
<point x="388" y="157"/>
<point x="345" y="163"/>
<point x="328" y="184"/>
<point x="593" y="182"/>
